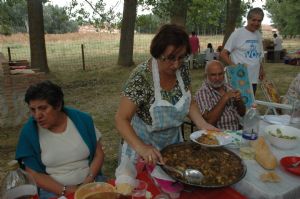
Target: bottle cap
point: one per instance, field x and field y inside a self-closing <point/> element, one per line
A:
<point x="249" y="136"/>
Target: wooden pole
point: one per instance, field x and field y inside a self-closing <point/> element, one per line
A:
<point x="82" y="54"/>
<point x="8" y="52"/>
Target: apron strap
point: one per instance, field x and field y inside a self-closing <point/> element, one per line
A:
<point x="156" y="80"/>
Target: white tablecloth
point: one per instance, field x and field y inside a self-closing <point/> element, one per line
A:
<point x="252" y="187"/>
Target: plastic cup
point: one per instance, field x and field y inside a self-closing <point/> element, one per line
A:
<point x="140" y="190"/>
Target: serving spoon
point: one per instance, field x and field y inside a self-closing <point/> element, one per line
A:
<point x="190" y="175"/>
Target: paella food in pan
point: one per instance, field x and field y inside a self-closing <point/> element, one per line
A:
<point x="219" y="166"/>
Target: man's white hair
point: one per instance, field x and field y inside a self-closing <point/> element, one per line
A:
<point x="212" y="62"/>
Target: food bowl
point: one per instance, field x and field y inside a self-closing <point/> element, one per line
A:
<point x="89" y="190"/>
<point x="283" y="137"/>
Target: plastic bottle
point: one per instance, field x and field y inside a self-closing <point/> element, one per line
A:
<point x="251" y="122"/>
<point x="250" y="133"/>
<point x="18" y="184"/>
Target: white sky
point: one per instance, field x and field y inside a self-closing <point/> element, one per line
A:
<point x="119" y="8"/>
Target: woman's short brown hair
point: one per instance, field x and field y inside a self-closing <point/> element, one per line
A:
<point x="169" y="35"/>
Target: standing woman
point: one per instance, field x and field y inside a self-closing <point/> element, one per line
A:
<point x="157" y="98"/>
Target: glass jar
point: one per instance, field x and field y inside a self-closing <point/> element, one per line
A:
<point x="18" y="184"/>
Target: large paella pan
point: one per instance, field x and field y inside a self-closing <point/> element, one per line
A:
<point x="220" y="166"/>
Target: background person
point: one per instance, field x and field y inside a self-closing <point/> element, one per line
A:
<point x="277" y="47"/>
<point x="244" y="46"/>
<point x="209" y="53"/>
<point x="157" y="98"/>
<point x="219" y="104"/>
<point x="59" y="146"/>
<point x="195" y="48"/>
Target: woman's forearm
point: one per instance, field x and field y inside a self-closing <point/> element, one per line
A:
<point x="46" y="182"/>
<point x="96" y="164"/>
<point x="196" y="117"/>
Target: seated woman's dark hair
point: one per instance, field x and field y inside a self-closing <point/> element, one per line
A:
<point x="45" y="90"/>
<point x="169" y="35"/>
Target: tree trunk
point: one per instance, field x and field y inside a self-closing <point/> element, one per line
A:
<point x="232" y="14"/>
<point x="36" y="35"/>
<point x="178" y="13"/>
<point x="127" y="33"/>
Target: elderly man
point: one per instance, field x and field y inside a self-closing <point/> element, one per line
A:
<point x="219" y="104"/>
<point x="244" y="46"/>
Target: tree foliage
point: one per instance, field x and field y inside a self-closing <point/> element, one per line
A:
<point x="148" y="23"/>
<point x="13" y="16"/>
<point x="57" y="21"/>
<point x="94" y="12"/>
<point x="286" y="15"/>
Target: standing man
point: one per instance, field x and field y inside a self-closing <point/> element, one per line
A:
<point x="277" y="47"/>
<point x="244" y="46"/>
<point x="195" y="47"/>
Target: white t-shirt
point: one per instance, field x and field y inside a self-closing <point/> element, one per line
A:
<point x="65" y="155"/>
<point x="209" y="54"/>
<point x="246" y="48"/>
<point x="277" y="44"/>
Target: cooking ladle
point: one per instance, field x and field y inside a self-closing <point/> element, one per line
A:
<point x="190" y="175"/>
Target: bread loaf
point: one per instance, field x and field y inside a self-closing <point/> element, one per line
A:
<point x="263" y="154"/>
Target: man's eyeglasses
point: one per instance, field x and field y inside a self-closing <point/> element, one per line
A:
<point x="173" y="58"/>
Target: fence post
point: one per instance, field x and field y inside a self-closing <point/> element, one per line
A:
<point x="8" y="52"/>
<point x="82" y="54"/>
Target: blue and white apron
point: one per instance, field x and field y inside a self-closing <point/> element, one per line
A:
<point x="166" y="118"/>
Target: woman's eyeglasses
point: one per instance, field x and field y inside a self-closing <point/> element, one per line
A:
<point x="173" y="58"/>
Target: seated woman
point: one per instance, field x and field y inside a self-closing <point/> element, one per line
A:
<point x="59" y="146"/>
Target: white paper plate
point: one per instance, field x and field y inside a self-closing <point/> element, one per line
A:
<point x="277" y="119"/>
<point x="223" y="138"/>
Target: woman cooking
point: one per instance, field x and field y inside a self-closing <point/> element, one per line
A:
<point x="157" y="98"/>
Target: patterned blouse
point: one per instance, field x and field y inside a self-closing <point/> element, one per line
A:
<point x="207" y="98"/>
<point x="140" y="89"/>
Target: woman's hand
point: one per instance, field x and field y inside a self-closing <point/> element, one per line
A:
<point x="210" y="127"/>
<point x="150" y="154"/>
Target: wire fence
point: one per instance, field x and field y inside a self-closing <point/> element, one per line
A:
<point x="77" y="51"/>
